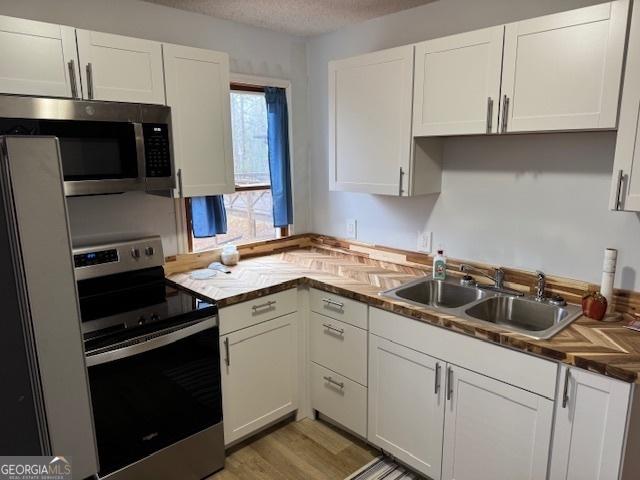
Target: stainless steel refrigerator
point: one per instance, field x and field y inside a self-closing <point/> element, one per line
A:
<point x="45" y="404"/>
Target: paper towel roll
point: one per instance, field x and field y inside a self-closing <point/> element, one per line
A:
<point x="608" y="275"/>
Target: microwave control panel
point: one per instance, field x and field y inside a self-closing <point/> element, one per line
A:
<point x="156" y="150"/>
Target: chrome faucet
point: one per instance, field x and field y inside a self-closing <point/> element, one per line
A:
<point x="541" y="294"/>
<point x="498" y="279"/>
<point x="541" y="286"/>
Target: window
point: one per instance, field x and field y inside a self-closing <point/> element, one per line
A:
<point x="250" y="209"/>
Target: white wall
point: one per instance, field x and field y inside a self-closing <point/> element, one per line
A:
<point x="528" y="201"/>
<point x="252" y="50"/>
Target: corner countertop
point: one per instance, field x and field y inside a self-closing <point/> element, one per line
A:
<point x="605" y="348"/>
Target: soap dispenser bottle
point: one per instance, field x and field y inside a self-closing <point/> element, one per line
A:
<point x="440" y="266"/>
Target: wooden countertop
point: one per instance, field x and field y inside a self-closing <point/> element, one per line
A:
<point x="606" y="348"/>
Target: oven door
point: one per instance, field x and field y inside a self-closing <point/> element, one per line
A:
<point x="153" y="393"/>
<point x="98" y="157"/>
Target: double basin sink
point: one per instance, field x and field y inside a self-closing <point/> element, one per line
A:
<point x="535" y="318"/>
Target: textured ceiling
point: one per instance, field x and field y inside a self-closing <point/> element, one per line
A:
<point x="299" y="17"/>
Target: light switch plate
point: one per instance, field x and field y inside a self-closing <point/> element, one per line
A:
<point x="352" y="228"/>
<point x="424" y="242"/>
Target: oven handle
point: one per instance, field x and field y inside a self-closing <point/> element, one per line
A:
<point x="151" y="344"/>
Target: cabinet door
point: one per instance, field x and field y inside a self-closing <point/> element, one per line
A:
<point x="406" y="405"/>
<point x="38" y="58"/>
<point x="120" y="69"/>
<point x="563" y="71"/>
<point x="259" y="375"/>
<point x="370" y="99"/>
<point x="457" y="84"/>
<point x="590" y="426"/>
<point x="494" y="431"/>
<point x="197" y="83"/>
<point x="625" y="188"/>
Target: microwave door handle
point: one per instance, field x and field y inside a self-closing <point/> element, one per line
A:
<point x="151" y="344"/>
<point x="140" y="152"/>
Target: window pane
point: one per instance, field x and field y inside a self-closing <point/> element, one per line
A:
<point x="249" y="131"/>
<point x="249" y="218"/>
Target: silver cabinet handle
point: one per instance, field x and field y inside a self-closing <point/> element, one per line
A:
<point x="268" y="304"/>
<point x="333" y="302"/>
<point x="400" y="190"/>
<point x="227" y="358"/>
<point x="489" y="114"/>
<point x="180" y="192"/>
<point x="333" y="382"/>
<point x="436" y="387"/>
<point x="619" y="189"/>
<point x="90" y="81"/>
<point x="449" y="382"/>
<point x="565" y="391"/>
<point x="328" y="326"/>
<point x="505" y="113"/>
<point x="72" y="78"/>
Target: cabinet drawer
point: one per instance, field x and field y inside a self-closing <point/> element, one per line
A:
<point x="339" y="346"/>
<point x="340" y="308"/>
<point x="339" y="398"/>
<point x="252" y="312"/>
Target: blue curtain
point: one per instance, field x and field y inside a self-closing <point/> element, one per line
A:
<point x="279" y="159"/>
<point x="208" y="216"/>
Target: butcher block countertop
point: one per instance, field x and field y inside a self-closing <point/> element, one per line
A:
<point x="606" y="348"/>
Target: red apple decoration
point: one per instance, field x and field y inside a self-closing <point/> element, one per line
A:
<point x="594" y="305"/>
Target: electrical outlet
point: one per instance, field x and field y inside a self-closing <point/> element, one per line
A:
<point x="352" y="228"/>
<point x="424" y="242"/>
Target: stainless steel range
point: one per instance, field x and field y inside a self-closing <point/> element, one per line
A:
<point x="152" y="354"/>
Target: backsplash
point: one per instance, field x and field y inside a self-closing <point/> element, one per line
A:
<point x="123" y="215"/>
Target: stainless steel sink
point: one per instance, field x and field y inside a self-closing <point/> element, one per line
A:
<point x="438" y="293"/>
<point x="535" y="318"/>
<point x="523" y="315"/>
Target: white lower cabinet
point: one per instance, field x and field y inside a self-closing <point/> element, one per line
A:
<point x="339" y="398"/>
<point x="590" y="426"/>
<point x="406" y="405"/>
<point x="449" y="422"/>
<point x="494" y="431"/>
<point x="259" y="367"/>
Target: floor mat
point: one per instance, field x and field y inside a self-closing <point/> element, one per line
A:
<point x="383" y="468"/>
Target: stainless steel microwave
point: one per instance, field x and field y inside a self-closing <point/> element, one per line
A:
<point x="105" y="147"/>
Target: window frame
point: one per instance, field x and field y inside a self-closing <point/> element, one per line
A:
<point x="246" y="83"/>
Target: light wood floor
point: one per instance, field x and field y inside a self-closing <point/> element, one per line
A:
<point x="305" y="450"/>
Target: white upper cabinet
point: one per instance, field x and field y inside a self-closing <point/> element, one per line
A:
<point x="197" y="83"/>
<point x="370" y="122"/>
<point x="590" y="426"/>
<point x="457" y="84"/>
<point x="563" y="71"/>
<point x="120" y="69"/>
<point x="38" y="59"/>
<point x="625" y="189"/>
<point x="494" y="431"/>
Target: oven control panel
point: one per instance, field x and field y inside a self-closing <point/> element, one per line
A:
<point x="156" y="150"/>
<point x="95" y="258"/>
<point x="93" y="261"/>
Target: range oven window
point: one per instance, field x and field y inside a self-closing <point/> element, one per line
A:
<point x="151" y="400"/>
